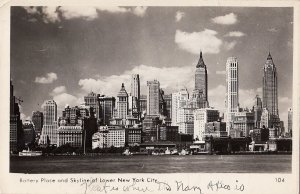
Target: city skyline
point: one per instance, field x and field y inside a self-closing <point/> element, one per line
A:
<point x="170" y="56"/>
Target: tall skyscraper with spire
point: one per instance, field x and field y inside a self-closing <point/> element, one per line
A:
<point x="232" y="90"/>
<point x="122" y="103"/>
<point x="201" y="78"/>
<point x="270" y="97"/>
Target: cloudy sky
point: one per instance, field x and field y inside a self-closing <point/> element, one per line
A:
<point x="62" y="53"/>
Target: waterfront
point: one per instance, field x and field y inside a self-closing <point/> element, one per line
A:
<point x="153" y="164"/>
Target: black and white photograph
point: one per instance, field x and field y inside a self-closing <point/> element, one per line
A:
<point x="110" y="90"/>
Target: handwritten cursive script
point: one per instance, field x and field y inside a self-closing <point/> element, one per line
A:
<point x="181" y="187"/>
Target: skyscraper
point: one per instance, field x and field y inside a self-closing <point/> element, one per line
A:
<point x="135" y="86"/>
<point x="232" y="90"/>
<point x="257" y="109"/>
<point x="37" y="119"/>
<point x="290" y="121"/>
<point x="201" y="78"/>
<point x="49" y="131"/>
<point x="179" y="100"/>
<point x="135" y="93"/>
<point x="153" y="94"/>
<point x="270" y="95"/>
<point x="107" y="105"/>
<point x="122" y="103"/>
<point x="16" y="142"/>
<point x="270" y="98"/>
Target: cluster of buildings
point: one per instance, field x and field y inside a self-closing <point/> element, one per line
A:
<point x="157" y="119"/>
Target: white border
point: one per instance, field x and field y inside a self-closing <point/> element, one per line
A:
<point x="255" y="183"/>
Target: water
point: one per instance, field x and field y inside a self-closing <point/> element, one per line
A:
<point x="153" y="164"/>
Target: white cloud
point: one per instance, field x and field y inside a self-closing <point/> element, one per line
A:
<point x="88" y="13"/>
<point x="49" y="14"/>
<point x="111" y="85"/>
<point x="58" y="90"/>
<point x="140" y="11"/>
<point x="220" y="72"/>
<point x="64" y="99"/>
<point x="230" y="45"/>
<point x="217" y="95"/>
<point x="194" y="42"/>
<point x="179" y="15"/>
<point x="23" y="116"/>
<point x="54" y="14"/>
<point x="235" y="34"/>
<point x="228" y="19"/>
<point x="49" y="78"/>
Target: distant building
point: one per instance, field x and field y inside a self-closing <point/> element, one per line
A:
<point x="265" y="118"/>
<point x="49" y="131"/>
<point x="71" y="135"/>
<point x="116" y="137"/>
<point x="37" y="119"/>
<point x="273" y="132"/>
<point x="260" y="135"/>
<point x="257" y="110"/>
<point x="151" y="128"/>
<point x="179" y="100"/>
<point x="201" y="117"/>
<point x="153" y="95"/>
<point x="71" y="115"/>
<point x="135" y="86"/>
<point x="168" y="133"/>
<point x="185" y="120"/>
<point x="107" y="105"/>
<point x="99" y="139"/>
<point x="91" y="100"/>
<point x="243" y="122"/>
<point x="201" y="83"/>
<point x="215" y="129"/>
<point x="143" y="104"/>
<point x="29" y="132"/>
<point x="133" y="136"/>
<point x="290" y="121"/>
<point x="270" y="86"/>
<point x="109" y="136"/>
<point x="122" y="103"/>
<point x="168" y="105"/>
<point x="135" y="91"/>
<point x="16" y="141"/>
<point x="232" y="90"/>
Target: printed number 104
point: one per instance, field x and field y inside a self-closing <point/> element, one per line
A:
<point x="279" y="180"/>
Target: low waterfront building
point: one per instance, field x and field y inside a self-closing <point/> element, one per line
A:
<point x="157" y="147"/>
<point x="259" y="135"/>
<point x="71" y="135"/>
<point x="133" y="136"/>
<point x="116" y="137"/>
<point x="243" y="122"/>
<point x="280" y="144"/>
<point x="215" y="129"/>
<point x="168" y="133"/>
<point x="99" y="139"/>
